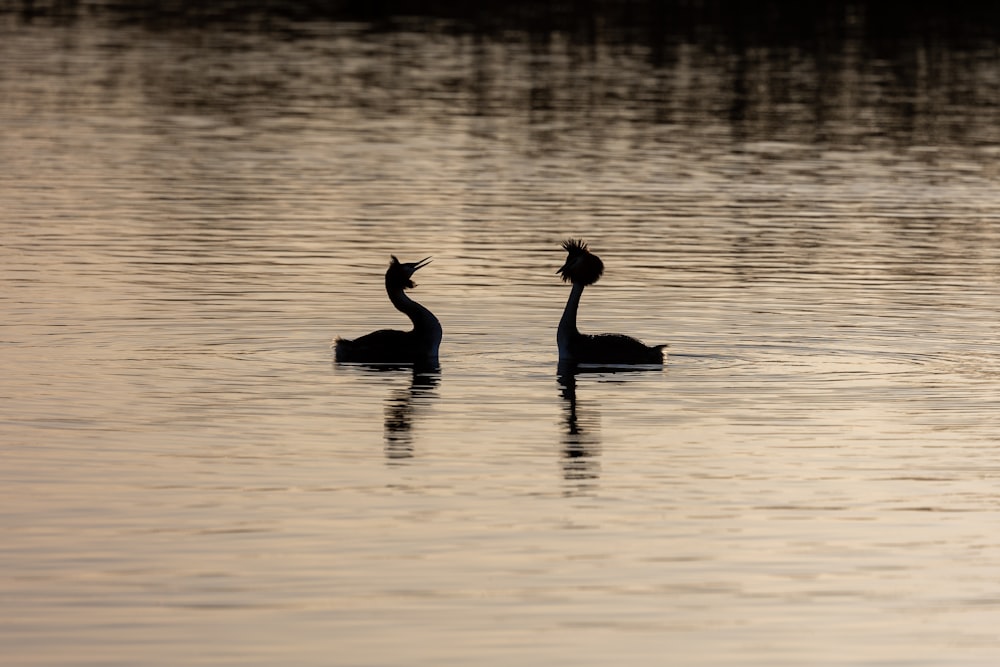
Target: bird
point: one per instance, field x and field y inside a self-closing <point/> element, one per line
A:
<point x="584" y="268"/>
<point x="390" y="346"/>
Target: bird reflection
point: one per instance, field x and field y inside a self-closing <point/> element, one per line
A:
<point x="400" y="408"/>
<point x="582" y="441"/>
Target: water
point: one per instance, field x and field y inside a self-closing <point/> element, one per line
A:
<point x="191" y="215"/>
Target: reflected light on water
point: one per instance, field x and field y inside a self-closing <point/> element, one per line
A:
<point x="191" y="213"/>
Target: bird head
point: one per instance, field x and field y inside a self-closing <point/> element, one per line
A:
<point x="399" y="274"/>
<point x="582" y="266"/>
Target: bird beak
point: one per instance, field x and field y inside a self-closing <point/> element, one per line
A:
<point x="422" y="263"/>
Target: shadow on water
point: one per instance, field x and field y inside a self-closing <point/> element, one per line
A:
<point x="403" y="403"/>
<point x="581" y="442"/>
<point x="400" y="407"/>
<point x="653" y="21"/>
<point x="803" y="74"/>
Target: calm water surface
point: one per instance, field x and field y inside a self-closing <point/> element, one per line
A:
<point x="190" y="216"/>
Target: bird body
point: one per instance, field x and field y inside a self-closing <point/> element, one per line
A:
<point x="584" y="268"/>
<point x="390" y="346"/>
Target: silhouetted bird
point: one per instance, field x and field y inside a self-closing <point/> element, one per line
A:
<point x="584" y="268"/>
<point x="389" y="346"/>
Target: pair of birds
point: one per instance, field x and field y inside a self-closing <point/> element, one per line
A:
<point x="420" y="346"/>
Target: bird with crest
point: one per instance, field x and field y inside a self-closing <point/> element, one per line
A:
<point x="583" y="268"/>
<point x="390" y="346"/>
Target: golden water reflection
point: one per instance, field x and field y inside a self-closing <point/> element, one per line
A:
<point x="190" y="215"/>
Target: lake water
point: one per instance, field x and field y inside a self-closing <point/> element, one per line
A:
<point x="191" y="215"/>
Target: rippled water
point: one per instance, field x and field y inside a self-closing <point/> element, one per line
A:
<point x="190" y="216"/>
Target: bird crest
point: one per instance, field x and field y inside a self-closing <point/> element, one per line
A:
<point x="582" y="266"/>
<point x="399" y="274"/>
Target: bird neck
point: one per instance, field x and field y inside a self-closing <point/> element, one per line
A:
<point x="567" y="325"/>
<point x="424" y="322"/>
